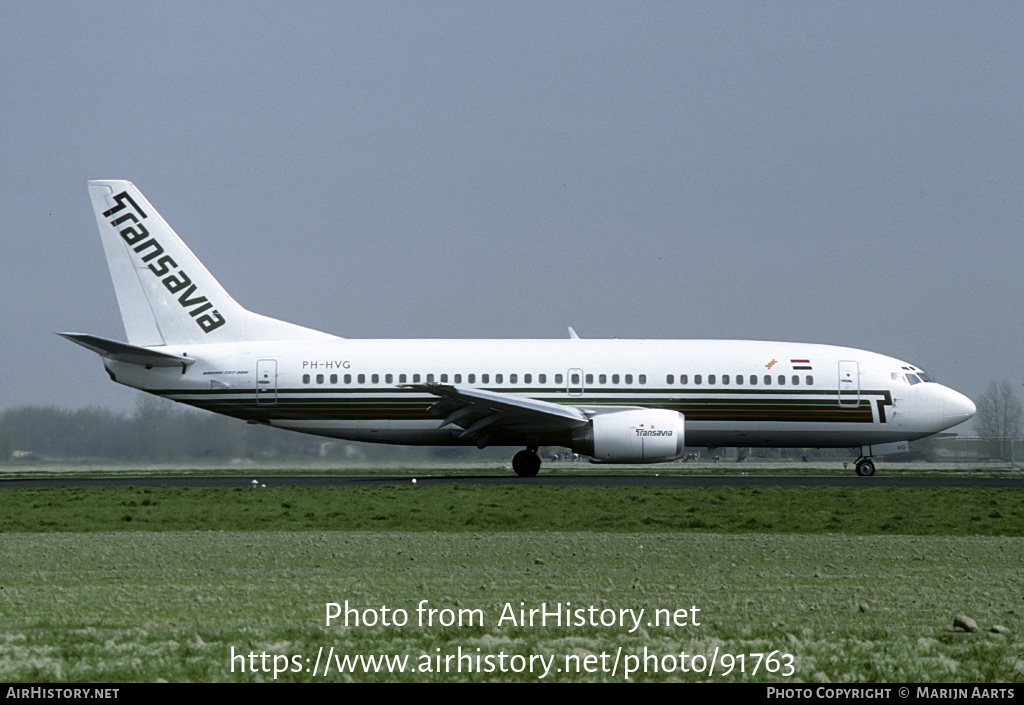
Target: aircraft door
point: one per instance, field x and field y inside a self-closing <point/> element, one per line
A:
<point x="266" y="382"/>
<point x="849" y="383"/>
<point x="575" y="382"/>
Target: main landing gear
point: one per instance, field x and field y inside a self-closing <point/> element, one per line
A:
<point x="526" y="463"/>
<point x="865" y="468"/>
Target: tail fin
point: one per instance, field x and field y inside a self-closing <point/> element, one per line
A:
<point x="165" y="294"/>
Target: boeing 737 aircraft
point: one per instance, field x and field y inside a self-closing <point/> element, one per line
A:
<point x="617" y="401"/>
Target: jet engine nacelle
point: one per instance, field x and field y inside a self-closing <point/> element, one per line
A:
<point x="635" y="436"/>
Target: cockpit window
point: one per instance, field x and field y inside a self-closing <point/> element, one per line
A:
<point x="921" y="376"/>
<point x="915" y="377"/>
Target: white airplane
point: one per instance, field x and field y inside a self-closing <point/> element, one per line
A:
<point x="617" y="401"/>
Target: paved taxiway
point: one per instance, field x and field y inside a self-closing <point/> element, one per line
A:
<point x="549" y="480"/>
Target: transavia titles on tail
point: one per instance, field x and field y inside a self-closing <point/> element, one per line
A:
<point x="617" y="401"/>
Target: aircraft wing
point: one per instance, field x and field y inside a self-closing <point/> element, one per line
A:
<point x="478" y="412"/>
<point x="123" y="352"/>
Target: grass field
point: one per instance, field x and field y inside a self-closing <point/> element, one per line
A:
<point x="939" y="511"/>
<point x="838" y="585"/>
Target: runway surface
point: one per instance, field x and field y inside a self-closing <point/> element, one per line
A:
<point x="644" y="480"/>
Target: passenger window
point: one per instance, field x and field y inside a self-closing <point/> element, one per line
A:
<point x="795" y="380"/>
<point x="615" y="379"/>
<point x="725" y="379"/>
<point x="574" y="378"/>
<point x="711" y="379"/>
<point x="809" y="380"/>
<point x="542" y="379"/>
<point x="305" y="379"/>
<point x="458" y="379"/>
<point x="334" y="379"/>
<point x="696" y="379"/>
<point x="498" y="379"/>
<point x="375" y="379"/>
<point x="602" y="379"/>
<point x="472" y="379"/>
<point x="642" y="379"/>
<point x="416" y="378"/>
<point x="782" y="380"/>
<point x="401" y="378"/>
<point x="485" y="379"/>
<point x="629" y="379"/>
<point x="389" y="378"/>
<point x="767" y="380"/>
<point x="444" y="379"/>
<point x="669" y="379"/>
<point x="430" y="378"/>
<point x="513" y="379"/>
<point x="319" y="379"/>
<point x="348" y="379"/>
<point x="739" y="379"/>
<point x="589" y="379"/>
<point x="683" y="379"/>
<point x="753" y="379"/>
<point x="527" y="378"/>
<point x="558" y="379"/>
<point x="362" y="379"/>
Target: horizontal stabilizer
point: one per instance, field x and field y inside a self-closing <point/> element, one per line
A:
<point x="123" y="352"/>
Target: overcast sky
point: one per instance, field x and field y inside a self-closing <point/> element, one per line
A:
<point x="846" y="173"/>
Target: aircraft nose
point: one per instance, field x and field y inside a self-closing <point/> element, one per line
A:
<point x="956" y="408"/>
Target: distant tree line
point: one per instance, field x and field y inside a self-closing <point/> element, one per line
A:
<point x="159" y="430"/>
<point x="154" y="430"/>
<point x="1000" y="417"/>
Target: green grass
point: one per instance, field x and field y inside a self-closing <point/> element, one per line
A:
<point x="803" y="510"/>
<point x="145" y="606"/>
<point x="857" y="584"/>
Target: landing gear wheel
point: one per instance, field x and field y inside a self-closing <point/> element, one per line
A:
<point x="865" y="468"/>
<point x="526" y="463"/>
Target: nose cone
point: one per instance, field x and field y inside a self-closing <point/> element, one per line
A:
<point x="956" y="408"/>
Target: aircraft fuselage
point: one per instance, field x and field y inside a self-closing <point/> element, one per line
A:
<point x="747" y="393"/>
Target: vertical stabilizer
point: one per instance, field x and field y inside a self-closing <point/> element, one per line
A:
<point x="166" y="295"/>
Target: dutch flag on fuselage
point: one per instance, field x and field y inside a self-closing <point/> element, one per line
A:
<point x="801" y="364"/>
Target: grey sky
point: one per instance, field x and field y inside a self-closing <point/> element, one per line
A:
<point x="847" y="173"/>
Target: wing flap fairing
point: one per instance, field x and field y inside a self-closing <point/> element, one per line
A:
<point x="477" y="411"/>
